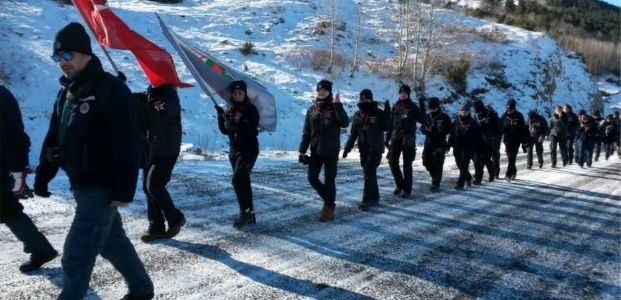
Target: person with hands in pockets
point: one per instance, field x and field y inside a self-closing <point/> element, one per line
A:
<point x="321" y="133"/>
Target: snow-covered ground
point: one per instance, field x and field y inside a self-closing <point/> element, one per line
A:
<point x="552" y="234"/>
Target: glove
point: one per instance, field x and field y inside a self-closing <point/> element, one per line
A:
<point x="303" y="159"/>
<point x="40" y="189"/>
<point x="54" y="155"/>
<point x="541" y="139"/>
<point x="121" y="76"/>
<point x="345" y="153"/>
<point x="219" y="109"/>
<point x="19" y="183"/>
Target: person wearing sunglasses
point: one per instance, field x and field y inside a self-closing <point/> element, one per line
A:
<point x="94" y="137"/>
<point x="322" y="134"/>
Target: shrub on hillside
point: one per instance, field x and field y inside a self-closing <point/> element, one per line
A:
<point x="457" y="75"/>
<point x="248" y="49"/>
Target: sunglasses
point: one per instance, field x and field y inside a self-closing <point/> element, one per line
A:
<point x="66" y="56"/>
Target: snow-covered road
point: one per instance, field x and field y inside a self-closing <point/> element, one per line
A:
<point x="553" y="233"/>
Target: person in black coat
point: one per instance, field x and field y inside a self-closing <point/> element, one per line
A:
<point x="160" y="118"/>
<point x="514" y="133"/>
<point x="585" y="139"/>
<point x="322" y="131"/>
<point x="572" y="126"/>
<point x="368" y="126"/>
<point x="616" y="121"/>
<point x="401" y="138"/>
<point x="489" y="154"/>
<point x="94" y="136"/>
<point x="597" y="118"/>
<point x="241" y="124"/>
<point x="466" y="139"/>
<point x="14" y="148"/>
<point x="558" y="136"/>
<point x="608" y="134"/>
<point x="436" y="127"/>
<point x="538" y="130"/>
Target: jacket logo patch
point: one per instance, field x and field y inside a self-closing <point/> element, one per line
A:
<point x="84" y="108"/>
<point x="159" y="105"/>
<point x="89" y="98"/>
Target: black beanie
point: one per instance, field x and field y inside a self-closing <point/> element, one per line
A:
<point x="405" y="88"/>
<point x="73" y="37"/>
<point x="366" y="93"/>
<point x="434" y="102"/>
<point x="511" y="103"/>
<point x="239" y="85"/>
<point x="479" y="106"/>
<point x="325" y="84"/>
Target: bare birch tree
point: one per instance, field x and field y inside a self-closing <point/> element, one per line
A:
<point x="354" y="65"/>
<point x="332" y="20"/>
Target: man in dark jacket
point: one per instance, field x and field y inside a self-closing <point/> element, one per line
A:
<point x="94" y="137"/>
<point x="489" y="154"/>
<point x="160" y="120"/>
<point x="585" y="139"/>
<point x="515" y="133"/>
<point x="597" y="118"/>
<point x="608" y="134"/>
<point x="436" y="127"/>
<point x="466" y="139"/>
<point x="14" y="148"/>
<point x="616" y="121"/>
<point x="558" y="136"/>
<point x="240" y="123"/>
<point x="572" y="127"/>
<point x="322" y="131"/>
<point x="401" y="138"/>
<point x="538" y="130"/>
<point x="368" y="126"/>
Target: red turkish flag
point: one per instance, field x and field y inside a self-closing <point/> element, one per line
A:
<point x="112" y="32"/>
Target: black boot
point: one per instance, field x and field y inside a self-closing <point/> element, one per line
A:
<point x="246" y="217"/>
<point x="36" y="261"/>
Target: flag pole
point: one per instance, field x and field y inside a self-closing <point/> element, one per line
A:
<point x="105" y="51"/>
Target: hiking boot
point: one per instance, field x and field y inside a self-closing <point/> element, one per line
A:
<point x="540" y="165"/>
<point x="397" y="191"/>
<point x="148" y="296"/>
<point x="149" y="236"/>
<point x="405" y="195"/>
<point x="469" y="182"/>
<point x="36" y="261"/>
<point x="477" y="182"/>
<point x="434" y="188"/>
<point x="327" y="213"/>
<point x="364" y="205"/>
<point x="173" y="230"/>
<point x="245" y="218"/>
<point x="459" y="187"/>
<point x="491" y="178"/>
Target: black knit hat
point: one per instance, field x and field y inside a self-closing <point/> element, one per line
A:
<point x="479" y="106"/>
<point x="325" y="84"/>
<point x="511" y="103"/>
<point x="405" y="88"/>
<point x="239" y="85"/>
<point x="434" y="102"/>
<point x="72" y="37"/>
<point x="366" y="93"/>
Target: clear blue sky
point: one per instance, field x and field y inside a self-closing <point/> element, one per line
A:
<point x="613" y="2"/>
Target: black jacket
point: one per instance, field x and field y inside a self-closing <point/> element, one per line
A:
<point x="572" y="124"/>
<point x="587" y="131"/>
<point x="558" y="125"/>
<point x="489" y="122"/>
<point x="436" y="127"/>
<point x="100" y="145"/>
<point x="160" y="121"/>
<point x="241" y="124"/>
<point x="404" y="116"/>
<point x="368" y="128"/>
<point x="322" y="128"/>
<point x="537" y="127"/>
<point x="14" y="142"/>
<point x="466" y="134"/>
<point x="513" y="128"/>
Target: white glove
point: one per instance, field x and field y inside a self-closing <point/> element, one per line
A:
<point x="19" y="184"/>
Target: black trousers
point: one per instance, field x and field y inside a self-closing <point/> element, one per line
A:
<point x="570" y="148"/>
<point x="160" y="206"/>
<point x="242" y="164"/>
<point x="529" y="154"/>
<point x="462" y="159"/>
<point x="10" y="208"/>
<point x="402" y="180"/>
<point x="561" y="144"/>
<point x="512" y="152"/>
<point x="327" y="188"/>
<point x="433" y="160"/>
<point x="598" y="147"/>
<point x="485" y="160"/>
<point x="369" y="162"/>
<point x="609" y="148"/>
<point x="496" y="141"/>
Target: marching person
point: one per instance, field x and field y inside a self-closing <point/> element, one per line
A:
<point x="489" y="154"/>
<point x="538" y="130"/>
<point x="94" y="137"/>
<point x="558" y="136"/>
<point x="599" y="121"/>
<point x="240" y="122"/>
<point x="572" y="127"/>
<point x="608" y="136"/>
<point x="514" y="133"/>
<point x="401" y="139"/>
<point x="160" y="120"/>
<point x="368" y="126"/>
<point x="466" y="139"/>
<point x="14" y="148"/>
<point x="436" y="127"/>
<point x="585" y="139"/>
<point x="322" y="131"/>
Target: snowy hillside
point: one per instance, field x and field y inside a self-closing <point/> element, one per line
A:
<point x="505" y="61"/>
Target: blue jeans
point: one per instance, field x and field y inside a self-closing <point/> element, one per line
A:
<point x="97" y="229"/>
